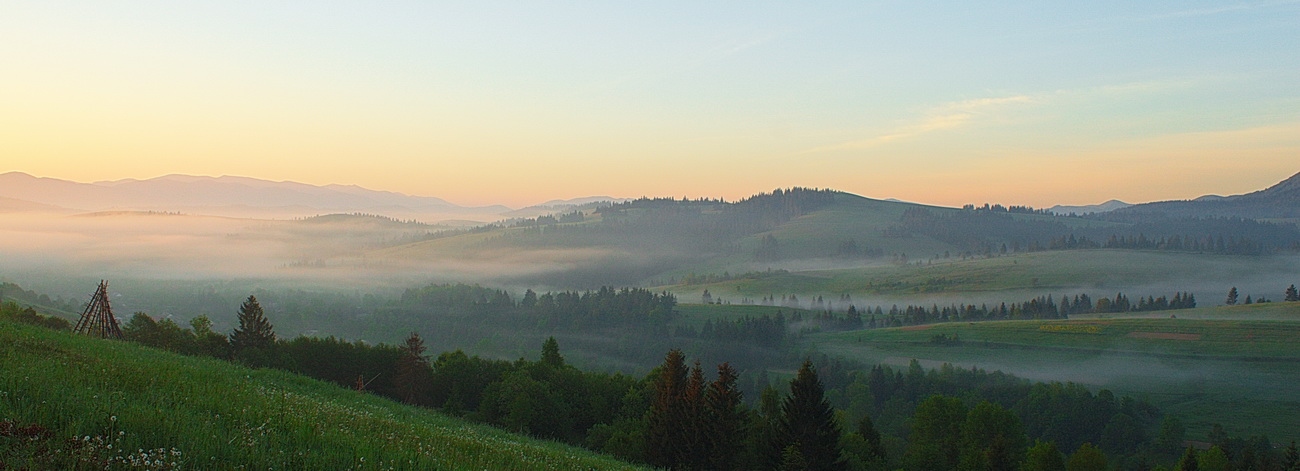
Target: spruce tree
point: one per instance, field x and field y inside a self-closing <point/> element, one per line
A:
<point x="694" y="454"/>
<point x="726" y="420"/>
<point x="254" y="331"/>
<point x="413" y="376"/>
<point x="867" y="429"/>
<point x="1232" y="296"/>
<point x="551" y="353"/>
<point x="666" y="420"/>
<point x="808" y="423"/>
<point x="1292" y="294"/>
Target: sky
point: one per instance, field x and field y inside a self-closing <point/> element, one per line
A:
<point x="518" y="102"/>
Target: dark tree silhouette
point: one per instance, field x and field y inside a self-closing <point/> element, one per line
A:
<point x="725" y="428"/>
<point x="413" y="375"/>
<point x="1232" y="296"/>
<point x="1292" y="294"/>
<point x="667" y="417"/>
<point x="808" y="423"/>
<point x="551" y="353"/>
<point x="254" y="331"/>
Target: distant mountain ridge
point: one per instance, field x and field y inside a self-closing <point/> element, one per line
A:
<point x="1280" y="201"/>
<point x="1089" y="209"/>
<point x="227" y="196"/>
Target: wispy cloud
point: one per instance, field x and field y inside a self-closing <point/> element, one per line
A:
<point x="1220" y="9"/>
<point x="940" y="118"/>
<point x="719" y="51"/>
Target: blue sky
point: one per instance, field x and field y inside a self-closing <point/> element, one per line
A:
<point x="511" y="102"/>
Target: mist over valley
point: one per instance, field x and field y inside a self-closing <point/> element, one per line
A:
<point x="1131" y="301"/>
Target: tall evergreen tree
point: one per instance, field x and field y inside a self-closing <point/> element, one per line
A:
<point x="1292" y="294"/>
<point x="1232" y="296"/>
<point x="867" y="429"/>
<point x="666" y="419"/>
<point x="413" y="376"/>
<point x="726" y="420"/>
<point x="808" y="423"/>
<point x="551" y="353"/>
<point x="254" y="331"/>
<point x="695" y="453"/>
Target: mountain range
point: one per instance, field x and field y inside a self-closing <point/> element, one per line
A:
<point x="242" y="197"/>
<point x="249" y="197"/>
<point x="1280" y="201"/>
<point x="1088" y="209"/>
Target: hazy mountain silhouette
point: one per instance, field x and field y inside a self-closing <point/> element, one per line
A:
<point x="227" y="196"/>
<point x="1089" y="209"/>
<point x="1280" y="201"/>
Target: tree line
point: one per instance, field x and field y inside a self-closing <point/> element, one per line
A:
<point x="840" y="415"/>
<point x="989" y="232"/>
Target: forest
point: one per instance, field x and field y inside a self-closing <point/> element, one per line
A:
<point x="832" y="414"/>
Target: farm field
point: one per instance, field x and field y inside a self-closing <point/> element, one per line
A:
<point x="1240" y="373"/>
<point x="77" y="402"/>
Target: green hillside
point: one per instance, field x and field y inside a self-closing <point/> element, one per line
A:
<point x="69" y="402"/>
<point x="1099" y="271"/>
<point x="837" y="242"/>
<point x="1230" y="365"/>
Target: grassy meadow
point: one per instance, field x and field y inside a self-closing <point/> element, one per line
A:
<point x="70" y="402"/>
<point x="1014" y="278"/>
<point x="1208" y="365"/>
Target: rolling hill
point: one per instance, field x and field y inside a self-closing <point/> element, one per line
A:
<point x="1227" y="365"/>
<point x="72" y="402"/>
<point x="1280" y="201"/>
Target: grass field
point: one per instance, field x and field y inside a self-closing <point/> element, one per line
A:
<point x="1240" y="373"/>
<point x="69" y="402"/>
<point x="1021" y="276"/>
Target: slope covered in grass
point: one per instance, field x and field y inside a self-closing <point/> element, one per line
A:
<point x="1209" y="365"/>
<point x="73" y="402"/>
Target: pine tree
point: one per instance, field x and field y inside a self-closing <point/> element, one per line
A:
<point x="254" y="331"/>
<point x="1292" y="294"/>
<point x="875" y="447"/>
<point x="666" y="419"/>
<point x="1232" y="296"/>
<point x="551" y="353"/>
<point x="413" y="376"/>
<point x="793" y="460"/>
<point x="808" y="423"/>
<point x="695" y="453"/>
<point x="726" y="420"/>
